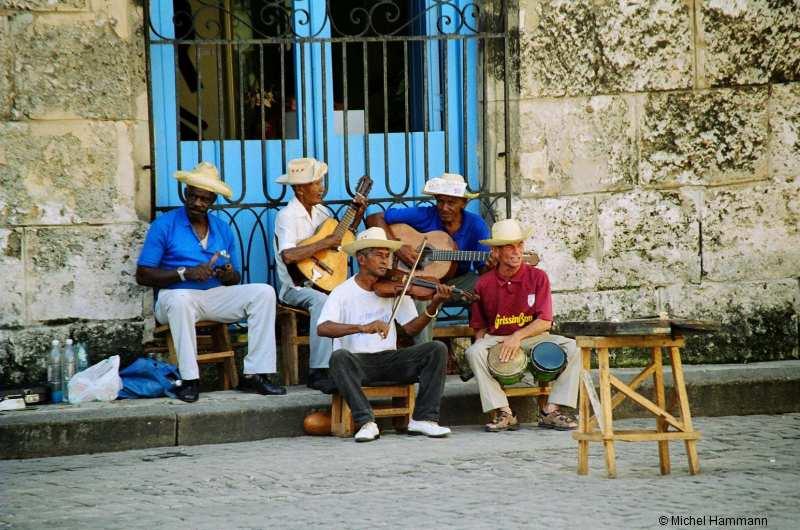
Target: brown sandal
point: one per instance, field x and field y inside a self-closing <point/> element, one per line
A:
<point x="503" y="421"/>
<point x="557" y="420"/>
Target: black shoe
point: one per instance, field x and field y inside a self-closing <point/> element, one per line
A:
<point x="189" y="391"/>
<point x="260" y="384"/>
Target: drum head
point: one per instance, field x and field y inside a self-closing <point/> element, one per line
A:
<point x="510" y="372"/>
<point x="548" y="360"/>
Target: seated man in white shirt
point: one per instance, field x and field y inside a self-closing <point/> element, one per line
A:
<point x="297" y="221"/>
<point x="365" y="341"/>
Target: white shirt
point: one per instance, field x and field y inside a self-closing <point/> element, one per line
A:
<point x="349" y="303"/>
<point x="292" y="225"/>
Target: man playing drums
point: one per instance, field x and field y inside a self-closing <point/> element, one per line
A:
<point x="514" y="311"/>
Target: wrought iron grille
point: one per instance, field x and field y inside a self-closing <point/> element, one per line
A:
<point x="402" y="89"/>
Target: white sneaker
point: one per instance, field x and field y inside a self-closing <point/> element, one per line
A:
<point x="368" y="432"/>
<point x="428" y="428"/>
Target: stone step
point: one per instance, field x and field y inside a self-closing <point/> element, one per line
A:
<point x="231" y="416"/>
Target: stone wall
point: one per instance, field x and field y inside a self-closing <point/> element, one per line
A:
<point x="73" y="139"/>
<point x="656" y="149"/>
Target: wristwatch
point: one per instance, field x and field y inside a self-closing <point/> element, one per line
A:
<point x="181" y="271"/>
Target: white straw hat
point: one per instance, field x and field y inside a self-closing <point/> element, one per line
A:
<point x="507" y="232"/>
<point x="205" y="176"/>
<point x="451" y="184"/>
<point x="303" y="171"/>
<point x="374" y="237"/>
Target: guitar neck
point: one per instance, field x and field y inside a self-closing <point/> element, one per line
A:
<point x="346" y="222"/>
<point x="458" y="255"/>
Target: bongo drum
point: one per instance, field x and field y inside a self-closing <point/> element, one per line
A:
<point x="510" y="372"/>
<point x="547" y="361"/>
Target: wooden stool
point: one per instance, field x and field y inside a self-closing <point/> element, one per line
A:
<point x="540" y="392"/>
<point x="401" y="408"/>
<point x="213" y="347"/>
<point x="683" y="429"/>
<point x="290" y="341"/>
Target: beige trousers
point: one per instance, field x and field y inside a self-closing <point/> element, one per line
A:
<point x="565" y="388"/>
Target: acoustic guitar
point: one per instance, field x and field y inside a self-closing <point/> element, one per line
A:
<point x="328" y="268"/>
<point x="441" y="255"/>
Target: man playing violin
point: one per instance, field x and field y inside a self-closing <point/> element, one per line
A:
<point x="515" y="310"/>
<point x="364" y="332"/>
<point x="449" y="215"/>
<point x="298" y="221"/>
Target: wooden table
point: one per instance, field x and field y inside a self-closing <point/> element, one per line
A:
<point x="653" y="334"/>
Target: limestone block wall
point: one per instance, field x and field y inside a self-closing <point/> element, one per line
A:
<point x="73" y="195"/>
<point x="656" y="149"/>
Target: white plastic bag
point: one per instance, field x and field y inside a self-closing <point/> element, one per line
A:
<point x="99" y="382"/>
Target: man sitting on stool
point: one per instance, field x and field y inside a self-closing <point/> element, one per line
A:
<point x="365" y="341"/>
<point x="515" y="308"/>
<point x="183" y="256"/>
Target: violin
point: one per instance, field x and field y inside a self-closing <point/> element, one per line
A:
<point x="419" y="288"/>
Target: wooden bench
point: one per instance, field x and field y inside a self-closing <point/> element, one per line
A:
<point x="213" y="347"/>
<point x="403" y="397"/>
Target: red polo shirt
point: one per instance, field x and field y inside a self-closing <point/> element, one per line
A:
<point x="509" y="304"/>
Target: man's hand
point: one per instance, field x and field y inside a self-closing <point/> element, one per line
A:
<point x="378" y="326"/>
<point x="332" y="241"/>
<point x="407" y="254"/>
<point x="226" y="274"/>
<point x="510" y="345"/>
<point x="443" y="293"/>
<point x="202" y="272"/>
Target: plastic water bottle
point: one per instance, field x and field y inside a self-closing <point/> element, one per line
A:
<point x="54" y="373"/>
<point x="81" y="357"/>
<point x="68" y="367"/>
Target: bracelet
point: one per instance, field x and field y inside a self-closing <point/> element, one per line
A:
<point x="429" y="315"/>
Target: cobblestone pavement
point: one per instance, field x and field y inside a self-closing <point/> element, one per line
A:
<point x="750" y="467"/>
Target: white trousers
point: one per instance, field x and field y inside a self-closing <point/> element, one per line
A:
<point x="181" y="308"/>
<point x="565" y="387"/>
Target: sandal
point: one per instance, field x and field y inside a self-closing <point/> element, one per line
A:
<point x="557" y="420"/>
<point x="503" y="421"/>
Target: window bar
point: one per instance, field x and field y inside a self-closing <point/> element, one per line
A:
<point x="406" y="120"/>
<point x="385" y="121"/>
<point x="464" y="100"/>
<point x="283" y="112"/>
<point x="242" y="131"/>
<point x="177" y="121"/>
<point x="221" y="117"/>
<point x="367" y="168"/>
<point x="484" y="169"/>
<point x="442" y="99"/>
<point x="305" y="124"/>
<point x="344" y="120"/>
<point x="199" y="107"/>
<point x="262" y="123"/>
<point x="425" y="109"/>
<point x="323" y="59"/>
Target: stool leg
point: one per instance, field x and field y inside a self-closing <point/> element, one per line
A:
<point x="348" y="425"/>
<point x="661" y="424"/>
<point x="337" y="427"/>
<point x="401" y="422"/>
<point x="288" y="328"/>
<point x="583" y="416"/>
<point x="605" y="398"/>
<point x="686" y="415"/>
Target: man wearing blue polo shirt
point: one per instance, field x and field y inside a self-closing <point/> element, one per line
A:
<point x="466" y="229"/>
<point x="192" y="259"/>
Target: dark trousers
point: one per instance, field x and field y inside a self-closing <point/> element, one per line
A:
<point x="423" y="362"/>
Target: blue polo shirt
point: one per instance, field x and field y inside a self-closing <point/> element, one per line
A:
<point x="426" y="218"/>
<point x="171" y="243"/>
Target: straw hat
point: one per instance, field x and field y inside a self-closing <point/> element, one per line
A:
<point x="205" y="176"/>
<point x="374" y="237"/>
<point x="451" y="184"/>
<point x="507" y="232"/>
<point x="303" y="171"/>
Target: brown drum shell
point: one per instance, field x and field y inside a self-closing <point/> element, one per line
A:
<point x="318" y="423"/>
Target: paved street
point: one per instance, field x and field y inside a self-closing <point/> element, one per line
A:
<point x="750" y="467"/>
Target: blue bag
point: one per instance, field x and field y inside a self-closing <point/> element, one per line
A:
<point x="147" y="378"/>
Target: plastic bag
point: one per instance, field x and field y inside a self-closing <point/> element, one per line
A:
<point x="99" y="382"/>
<point x="146" y="378"/>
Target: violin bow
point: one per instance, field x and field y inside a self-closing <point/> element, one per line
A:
<point x="408" y="281"/>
